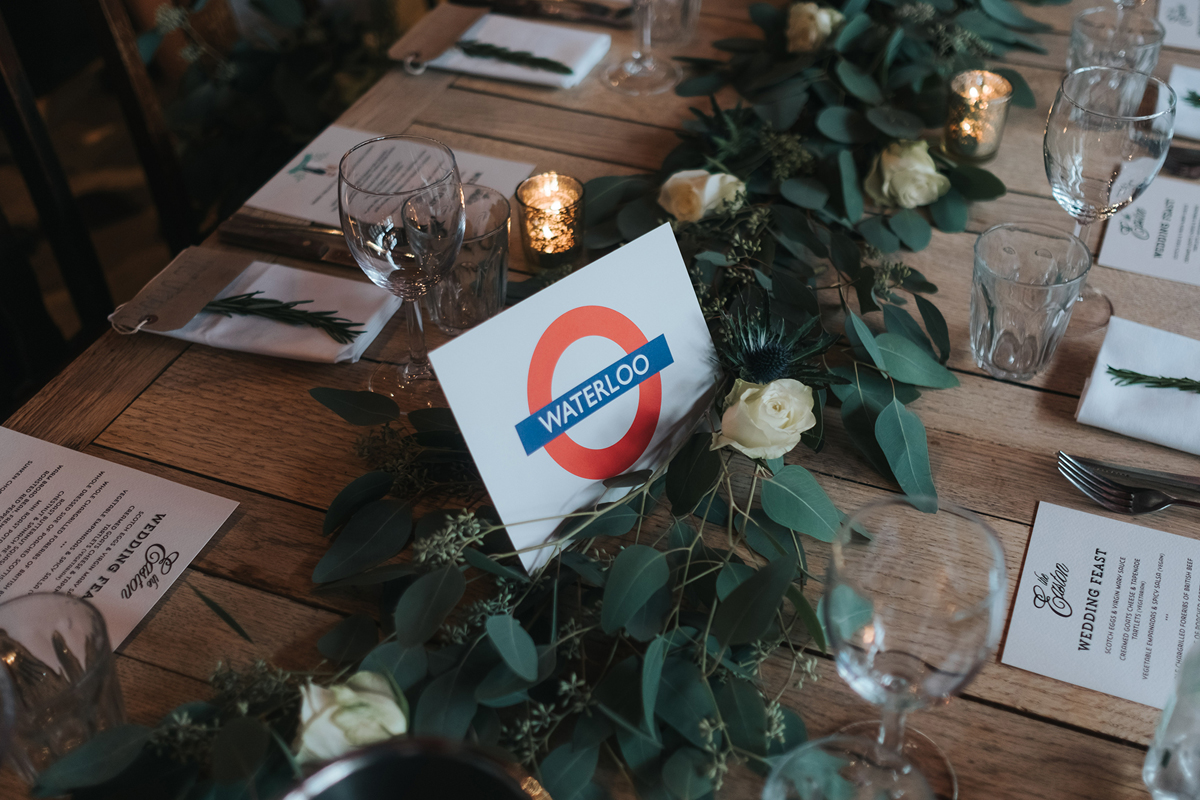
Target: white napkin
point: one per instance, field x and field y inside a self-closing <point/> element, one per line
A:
<point x="1163" y="416"/>
<point x="357" y="301"/>
<point x="1187" y="117"/>
<point x="579" y="50"/>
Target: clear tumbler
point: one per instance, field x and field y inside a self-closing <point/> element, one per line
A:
<point x="474" y="288"/>
<point x="56" y="650"/>
<point x="1027" y="277"/>
<point x="1172" y="770"/>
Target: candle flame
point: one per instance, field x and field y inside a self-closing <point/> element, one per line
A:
<point x="547" y="232"/>
<point x="551" y="187"/>
<point x="556" y="206"/>
<point x="973" y="93"/>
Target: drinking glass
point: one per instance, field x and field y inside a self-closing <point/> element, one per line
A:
<point x="1115" y="37"/>
<point x="434" y="221"/>
<point x="642" y="73"/>
<point x="1106" y="137"/>
<point x="474" y="288"/>
<point x="375" y="178"/>
<point x="912" y="612"/>
<point x="56" y="651"/>
<point x="1026" y="281"/>
<point x="845" y="768"/>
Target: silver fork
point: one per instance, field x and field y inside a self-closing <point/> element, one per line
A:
<point x="1116" y="496"/>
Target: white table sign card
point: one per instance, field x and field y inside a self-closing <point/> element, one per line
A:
<point x="603" y="373"/>
<point x="1181" y="21"/>
<point x="1158" y="234"/>
<point x="307" y="187"/>
<point x="1105" y="604"/>
<point x="77" y="524"/>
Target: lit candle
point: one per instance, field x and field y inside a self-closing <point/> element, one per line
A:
<point x="978" y="110"/>
<point x="552" y="219"/>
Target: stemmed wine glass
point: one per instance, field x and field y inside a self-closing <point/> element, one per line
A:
<point x="375" y="179"/>
<point x="642" y="73"/>
<point x="912" y="613"/>
<point x="1106" y="138"/>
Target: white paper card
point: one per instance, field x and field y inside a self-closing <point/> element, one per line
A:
<point x="1181" y="19"/>
<point x="601" y="374"/>
<point x="307" y="186"/>
<point x="1158" y="234"/>
<point x="1105" y="604"/>
<point x="1187" y="116"/>
<point x="79" y="525"/>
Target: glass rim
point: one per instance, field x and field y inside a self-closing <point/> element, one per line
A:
<point x="342" y="179"/>
<point x="501" y="224"/>
<point x="1170" y="109"/>
<point x="995" y="592"/>
<point x="1156" y="26"/>
<point x="97" y="618"/>
<point x="575" y="181"/>
<point x="1038" y="228"/>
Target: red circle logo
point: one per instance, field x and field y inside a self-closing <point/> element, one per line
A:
<point x="586" y="462"/>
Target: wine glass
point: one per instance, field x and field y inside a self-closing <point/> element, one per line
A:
<point x="1106" y="138"/>
<point x="375" y="179"/>
<point x="844" y="768"/>
<point x="642" y="73"/>
<point x="435" y="222"/>
<point x="912" y="613"/>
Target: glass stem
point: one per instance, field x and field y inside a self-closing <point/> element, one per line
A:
<point x="418" y="353"/>
<point x="891" y="730"/>
<point x="644" y="19"/>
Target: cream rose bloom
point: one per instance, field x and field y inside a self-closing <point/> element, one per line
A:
<point x="693" y="194"/>
<point x="809" y="26"/>
<point x="336" y="720"/>
<point x="904" y="175"/>
<point x="765" y="421"/>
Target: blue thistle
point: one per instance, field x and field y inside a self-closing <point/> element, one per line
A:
<point x="757" y="350"/>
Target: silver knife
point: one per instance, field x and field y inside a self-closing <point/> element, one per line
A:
<point x="311" y="242"/>
<point x="1170" y="480"/>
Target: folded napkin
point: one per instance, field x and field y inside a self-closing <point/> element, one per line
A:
<point x="579" y="50"/>
<point x="1187" y="117"/>
<point x="1168" y="417"/>
<point x="357" y="301"/>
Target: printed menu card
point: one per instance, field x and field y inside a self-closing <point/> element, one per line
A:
<point x="308" y="186"/>
<point x="1181" y="21"/>
<point x="1105" y="604"/>
<point x="79" y="525"/>
<point x="1158" y="234"/>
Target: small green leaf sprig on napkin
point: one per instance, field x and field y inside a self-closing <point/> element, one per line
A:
<point x="340" y="329"/>
<point x="522" y="58"/>
<point x="1127" y="377"/>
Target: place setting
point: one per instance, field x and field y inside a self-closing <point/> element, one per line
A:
<point x="643" y="454"/>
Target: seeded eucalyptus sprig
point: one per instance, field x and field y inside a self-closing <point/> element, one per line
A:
<point x="1127" y="377"/>
<point x="340" y="329"/>
<point x="522" y="58"/>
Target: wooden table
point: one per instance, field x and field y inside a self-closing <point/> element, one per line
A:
<point x="245" y="428"/>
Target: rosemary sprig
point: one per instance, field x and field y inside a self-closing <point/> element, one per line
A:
<point x="1192" y="99"/>
<point x="522" y="58"/>
<point x="340" y="329"/>
<point x="1127" y="377"/>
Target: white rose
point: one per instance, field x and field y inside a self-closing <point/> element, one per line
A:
<point x="765" y="421"/>
<point x="334" y="721"/>
<point x="904" y="175"/>
<point x="809" y="26"/>
<point x="693" y="194"/>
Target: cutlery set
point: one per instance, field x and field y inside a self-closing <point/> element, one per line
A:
<point x="1127" y="490"/>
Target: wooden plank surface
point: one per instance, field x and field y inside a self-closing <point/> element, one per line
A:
<point x="244" y="427"/>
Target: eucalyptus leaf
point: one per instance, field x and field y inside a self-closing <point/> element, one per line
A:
<point x="407" y="666"/>
<point x="638" y="750"/>
<point x="639" y="217"/>
<point x="858" y="420"/>
<point x="805" y="192"/>
<point x="642" y="475"/>
<point x="482" y="562"/>
<point x="372" y="577"/>
<point x="430" y="420"/>
<point x="648" y="621"/>
<point x="565" y="771"/>
<point x="101" y="758"/>
<point x="844" y="253"/>
<point x="591" y="730"/>
<point x="731" y="576"/>
<point x="225" y="616"/>
<point x="603" y="196"/>
<point x="684" y="699"/>
<point x="447" y="705"/>
<point x="907" y="362"/>
<point x="238" y="749"/>
<point x="912" y="229"/>
<point x="148" y="43"/>
<point x="893" y="47"/>
<point x="872" y="389"/>
<point x="794" y="499"/>
<point x="714" y="509"/>
<point x="744" y="714"/>
<point x="858" y="82"/>
<point x="514" y="644"/>
<point x="652" y="667"/>
<point x="377" y="532"/>
<point x="875" y="231"/>
<point x="950" y="211"/>
<point x="976" y="183"/>
<point x="767" y="537"/>
<point x="746" y="614"/>
<point x="358" y="408"/>
<point x="587" y="568"/>
<point x="360" y="491"/>
<point x="845" y="611"/>
<point x="902" y="437"/>
<point x="502" y="687"/>
<point x="1022" y="96"/>
<point x="692" y="472"/>
<point x="701" y="85"/>
<point x="852" y="199"/>
<point x="853" y="28"/>
<point x="684" y="774"/>
<point x="637" y="573"/>
<point x="809" y="616"/>
<point x="350" y="640"/>
<point x="861" y="336"/>
<point x="425" y="604"/>
<point x="935" y="324"/>
<point x="1008" y="14"/>
<point x="617" y="520"/>
<point x="845" y="125"/>
<point x="900" y="321"/>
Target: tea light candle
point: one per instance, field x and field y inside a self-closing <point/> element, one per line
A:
<point x="551" y="219"/>
<point x="978" y="111"/>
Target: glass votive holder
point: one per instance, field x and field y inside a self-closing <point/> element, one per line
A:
<point x="551" y="220"/>
<point x="978" y="110"/>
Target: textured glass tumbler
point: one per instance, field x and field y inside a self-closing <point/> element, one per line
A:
<point x="63" y="672"/>
<point x="1111" y="37"/>
<point x="844" y="768"/>
<point x="1027" y="278"/>
<point x="474" y="288"/>
<point x="1172" y="769"/>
